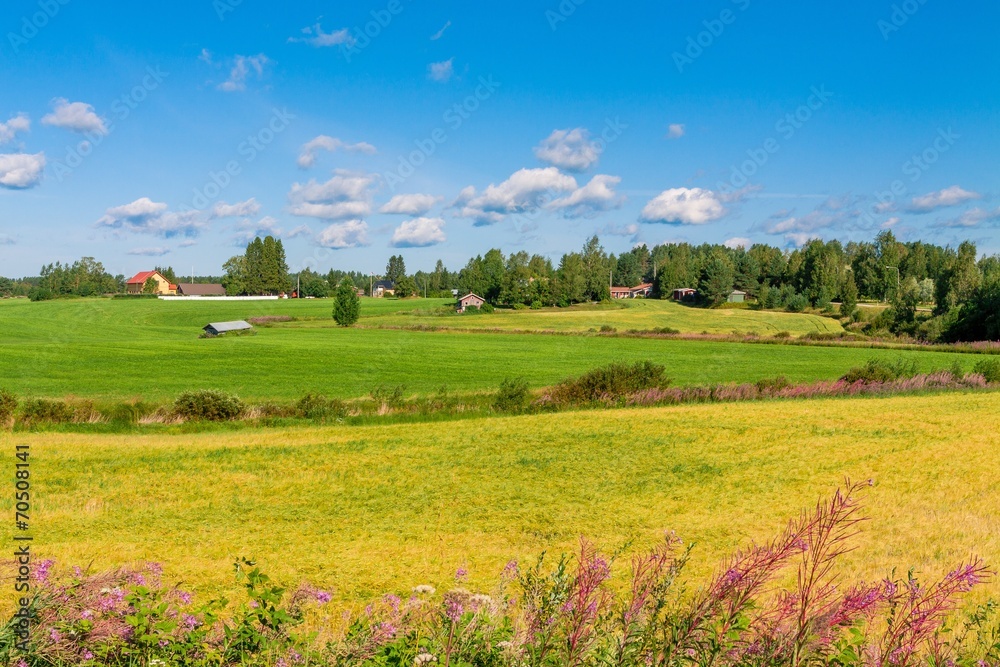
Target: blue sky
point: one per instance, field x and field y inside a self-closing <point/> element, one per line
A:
<point x="439" y="130"/>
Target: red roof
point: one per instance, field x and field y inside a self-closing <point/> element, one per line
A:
<point x="141" y="277"/>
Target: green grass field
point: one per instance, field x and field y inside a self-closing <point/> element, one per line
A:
<point x="370" y="509"/>
<point x="119" y="349"/>
<point x="643" y="314"/>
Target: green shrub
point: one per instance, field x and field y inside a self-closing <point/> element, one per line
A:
<point x="797" y="303"/>
<point x="8" y="406"/>
<point x="606" y="328"/>
<point x="319" y="407"/>
<point x="773" y="384"/>
<point x="783" y="334"/>
<point x="130" y="413"/>
<point x="989" y="369"/>
<point x="208" y="405"/>
<point x="513" y="395"/>
<point x="881" y="370"/>
<point x="387" y="395"/>
<point x="610" y="382"/>
<point x="487" y="308"/>
<point x="43" y="410"/>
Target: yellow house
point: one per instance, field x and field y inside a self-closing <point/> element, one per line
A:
<point x="136" y="283"/>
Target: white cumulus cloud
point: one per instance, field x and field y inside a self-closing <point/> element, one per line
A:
<point x="347" y="234"/>
<point x="419" y="233"/>
<point x="686" y="206"/>
<point x="675" y="131"/>
<point x="738" y="242"/>
<point x="18" y="124"/>
<point x="19" y="171"/>
<point x="307" y="156"/>
<point x="571" y="150"/>
<point x="346" y="195"/>
<point x="74" y="116"/>
<point x="948" y="197"/>
<point x="410" y="204"/>
<point x="242" y="67"/>
<point x="243" y="209"/>
<point x="525" y="190"/>
<point x="597" y="195"/>
<point x="441" y="71"/>
<point x="145" y="216"/>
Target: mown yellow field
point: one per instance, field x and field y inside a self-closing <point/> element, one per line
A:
<point x="369" y="509"/>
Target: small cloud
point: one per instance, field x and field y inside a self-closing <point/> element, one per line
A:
<point x="149" y="252"/>
<point x="441" y="71"/>
<point x="243" y="209"/>
<point x="414" y="204"/>
<point x="74" y="116"/>
<point x="972" y="218"/>
<point x="315" y="36"/>
<point x="419" y="233"/>
<point x="6" y="239"/>
<point x="346" y="195"/>
<point x="242" y="67"/>
<point x="891" y="222"/>
<point x="685" y="206"/>
<point x="205" y="56"/>
<point x="799" y="239"/>
<point x="307" y="156"/>
<point x="145" y="216"/>
<point x="675" y="131"/>
<point x="20" y="171"/>
<point x="16" y="125"/>
<point x="571" y="150"/>
<point x="248" y="230"/>
<point x="525" y="191"/>
<point x="348" y="234"/>
<point x="187" y="243"/>
<point x="738" y="242"/>
<point x="597" y="195"/>
<point x="943" y="198"/>
<point x="301" y="230"/>
<point x="436" y="36"/>
<point x="630" y="231"/>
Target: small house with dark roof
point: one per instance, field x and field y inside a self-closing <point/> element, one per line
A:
<point x="737" y="296"/>
<point x="383" y="288"/>
<point x="470" y="300"/>
<point x="136" y="283"/>
<point x="685" y="294"/>
<point x="201" y="289"/>
<point x="219" y="328"/>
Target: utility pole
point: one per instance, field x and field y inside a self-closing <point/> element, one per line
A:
<point x="298" y="286"/>
<point x="371" y="284"/>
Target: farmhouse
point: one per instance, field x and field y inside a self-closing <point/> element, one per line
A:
<point x="684" y="294"/>
<point x="643" y="290"/>
<point x="219" y="328"/>
<point x="737" y="296"/>
<point x="136" y="283"/>
<point x="200" y="289"/>
<point x="470" y="300"/>
<point x="383" y="288"/>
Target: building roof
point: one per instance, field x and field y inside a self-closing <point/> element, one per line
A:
<point x="222" y="327"/>
<point x="472" y="294"/>
<point x="141" y="277"/>
<point x="196" y="289"/>
<point x="384" y="284"/>
<point x="736" y="291"/>
<point x="643" y="286"/>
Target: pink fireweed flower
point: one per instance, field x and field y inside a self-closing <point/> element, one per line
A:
<point x="190" y="622"/>
<point x="323" y="597"/>
<point x="461" y="573"/>
<point x="453" y="610"/>
<point x="41" y="573"/>
<point x="393" y="601"/>
<point x="184" y="597"/>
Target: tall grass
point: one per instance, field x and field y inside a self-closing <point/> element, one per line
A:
<point x="781" y="602"/>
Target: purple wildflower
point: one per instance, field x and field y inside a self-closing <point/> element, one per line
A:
<point x="461" y="573"/>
